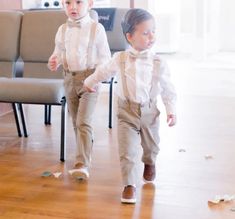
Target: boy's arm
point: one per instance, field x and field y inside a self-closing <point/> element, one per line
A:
<point x="102" y="73"/>
<point x="55" y="59"/>
<point x="103" y="50"/>
<point x="168" y="92"/>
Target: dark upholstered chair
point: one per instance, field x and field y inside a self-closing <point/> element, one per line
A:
<point x="10" y="24"/>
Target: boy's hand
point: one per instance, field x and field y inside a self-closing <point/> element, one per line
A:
<point x="52" y="63"/>
<point x="88" y="89"/>
<point x="171" y="120"/>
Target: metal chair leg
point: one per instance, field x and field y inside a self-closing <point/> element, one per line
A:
<point x="45" y="114"/>
<point x="16" y="120"/>
<point x="63" y="131"/>
<point x="49" y="115"/>
<point x="23" y="119"/>
<point x="111" y="102"/>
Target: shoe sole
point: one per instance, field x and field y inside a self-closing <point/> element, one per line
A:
<point x="128" y="201"/>
<point x="147" y="181"/>
<point x="78" y="175"/>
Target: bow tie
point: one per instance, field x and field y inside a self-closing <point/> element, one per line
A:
<point x="74" y="24"/>
<point x="139" y="55"/>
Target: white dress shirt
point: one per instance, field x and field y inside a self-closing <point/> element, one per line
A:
<point x="138" y="72"/>
<point x="76" y="45"/>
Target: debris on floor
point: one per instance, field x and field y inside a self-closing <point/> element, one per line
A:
<point x="48" y="174"/>
<point x="208" y="157"/>
<point x="232" y="209"/>
<point x="57" y="174"/>
<point x="223" y="198"/>
<point x="182" y="150"/>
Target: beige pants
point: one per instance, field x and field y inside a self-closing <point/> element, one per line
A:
<point x="81" y="105"/>
<point x="137" y="124"/>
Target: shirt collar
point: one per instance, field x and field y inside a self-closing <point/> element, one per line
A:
<point x="147" y="52"/>
<point x="83" y="20"/>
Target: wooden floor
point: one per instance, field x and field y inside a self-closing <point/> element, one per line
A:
<point x="185" y="180"/>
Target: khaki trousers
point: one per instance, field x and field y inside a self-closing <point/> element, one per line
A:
<point x="81" y="105"/>
<point x="137" y="123"/>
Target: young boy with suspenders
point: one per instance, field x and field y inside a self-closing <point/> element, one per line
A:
<point x="141" y="76"/>
<point x="80" y="46"/>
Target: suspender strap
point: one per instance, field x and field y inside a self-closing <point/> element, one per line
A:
<point x="123" y="76"/>
<point x="90" y="45"/>
<point x="89" y="49"/>
<point x="155" y="79"/>
<point x="64" y="59"/>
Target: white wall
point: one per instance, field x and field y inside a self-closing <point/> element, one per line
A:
<point x="26" y="4"/>
<point x="220" y="19"/>
<point x="220" y="24"/>
<point x="167" y="14"/>
<point x="227" y="25"/>
<point x="126" y="3"/>
<point x="29" y="4"/>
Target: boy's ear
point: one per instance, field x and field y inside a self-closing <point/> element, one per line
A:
<point x="128" y="37"/>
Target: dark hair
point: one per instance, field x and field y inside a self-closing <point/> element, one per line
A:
<point x="132" y="18"/>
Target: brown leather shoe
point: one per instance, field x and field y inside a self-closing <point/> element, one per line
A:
<point x="129" y="195"/>
<point x="149" y="173"/>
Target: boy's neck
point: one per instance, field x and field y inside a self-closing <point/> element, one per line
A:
<point x="139" y="51"/>
<point x="79" y="19"/>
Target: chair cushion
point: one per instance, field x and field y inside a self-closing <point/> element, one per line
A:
<point x="31" y="90"/>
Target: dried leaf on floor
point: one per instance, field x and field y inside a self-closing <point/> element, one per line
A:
<point x="221" y="198"/>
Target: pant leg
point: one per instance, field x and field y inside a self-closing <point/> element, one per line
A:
<point x="81" y="105"/>
<point x="128" y="140"/>
<point x="149" y="133"/>
<point x="72" y="98"/>
<point x="84" y="127"/>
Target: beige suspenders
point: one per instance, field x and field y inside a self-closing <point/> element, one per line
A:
<point x="64" y="59"/>
<point x="89" y="49"/>
<point x="90" y="45"/>
<point x="155" y="77"/>
<point x="123" y="56"/>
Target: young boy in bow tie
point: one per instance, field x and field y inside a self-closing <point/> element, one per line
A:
<point x="80" y="46"/>
<point x="141" y="77"/>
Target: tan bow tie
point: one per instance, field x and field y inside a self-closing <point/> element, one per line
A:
<point x="74" y="24"/>
<point x="139" y="55"/>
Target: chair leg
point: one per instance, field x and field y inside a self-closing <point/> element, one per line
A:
<point x="63" y="131"/>
<point x="49" y="115"/>
<point x="16" y="120"/>
<point x="45" y="114"/>
<point x="23" y="119"/>
<point x="111" y="103"/>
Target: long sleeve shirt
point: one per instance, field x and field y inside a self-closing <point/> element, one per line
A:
<point x="76" y="42"/>
<point x="138" y="74"/>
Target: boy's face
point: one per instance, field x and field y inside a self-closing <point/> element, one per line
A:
<point x="76" y="9"/>
<point x="143" y="36"/>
